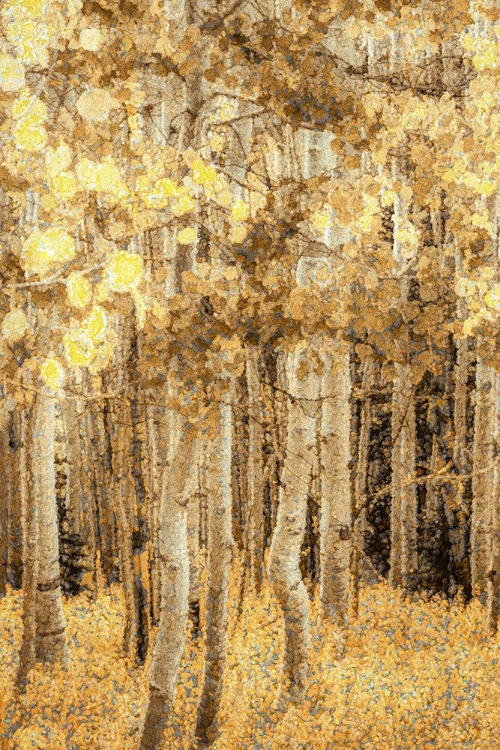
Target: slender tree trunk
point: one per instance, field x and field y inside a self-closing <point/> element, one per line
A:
<point x="50" y="643"/>
<point x="403" y="560"/>
<point x="284" y="554"/>
<point x="175" y="585"/>
<point x="30" y="526"/>
<point x="483" y="488"/>
<point x="14" y="531"/>
<point x="360" y="482"/>
<point x="140" y="534"/>
<point x="220" y="541"/>
<point x="4" y="499"/>
<point x="494" y="569"/>
<point x="193" y="535"/>
<point x="255" y="470"/>
<point x="335" y="519"/>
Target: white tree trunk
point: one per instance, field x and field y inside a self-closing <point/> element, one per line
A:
<point x="284" y="555"/>
<point x="220" y="541"/>
<point x="173" y="549"/>
<point x="483" y="478"/>
<point x="336" y="501"/>
<point x="50" y="644"/>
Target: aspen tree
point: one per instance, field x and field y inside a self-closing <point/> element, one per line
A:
<point x="219" y="547"/>
<point x="169" y="645"/>
<point x="361" y="477"/>
<point x="403" y="558"/>
<point x="50" y="643"/>
<point x="255" y="470"/>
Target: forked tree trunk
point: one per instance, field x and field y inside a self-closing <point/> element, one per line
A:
<point x="403" y="559"/>
<point x="174" y="557"/>
<point x="284" y="555"/>
<point x="220" y="541"/>
<point x="335" y="518"/>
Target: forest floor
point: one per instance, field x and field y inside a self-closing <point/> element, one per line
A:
<point x="416" y="675"/>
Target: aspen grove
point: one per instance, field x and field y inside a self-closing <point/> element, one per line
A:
<point x="249" y="374"/>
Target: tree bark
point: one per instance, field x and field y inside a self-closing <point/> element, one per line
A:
<point x="255" y="470"/>
<point x="284" y="555"/>
<point x="50" y="643"/>
<point x="30" y="524"/>
<point x="403" y="559"/>
<point x="174" y="584"/>
<point x="220" y="541"/>
<point x="335" y="518"/>
<point x="360" y="482"/>
<point x="483" y="489"/>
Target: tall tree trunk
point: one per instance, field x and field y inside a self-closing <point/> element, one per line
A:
<point x="335" y="518"/>
<point x="50" y="643"/>
<point x="4" y="499"/>
<point x="174" y="584"/>
<point x="255" y="470"/>
<point x="483" y="488"/>
<point x="30" y="523"/>
<point x="220" y="541"/>
<point x="14" y="531"/>
<point x="403" y="560"/>
<point x="193" y="535"/>
<point x="494" y="568"/>
<point x="140" y="533"/>
<point x="284" y="554"/>
<point x="360" y="482"/>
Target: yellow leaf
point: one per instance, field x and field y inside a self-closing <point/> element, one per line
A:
<point x="492" y="298"/>
<point x="52" y="373"/>
<point x="14" y="325"/>
<point x="186" y="236"/>
<point x="58" y="159"/>
<point x="238" y="234"/>
<point x="79" y="290"/>
<point x="96" y="104"/>
<point x="184" y="205"/>
<point x="125" y="271"/>
<point x="11" y="73"/>
<point x="64" y="186"/>
<point x="42" y="249"/>
<point x="78" y="347"/>
<point x="95" y="324"/>
<point x="28" y="135"/>
<point x="91" y="39"/>
<point x="240" y="211"/>
<point x="217" y="143"/>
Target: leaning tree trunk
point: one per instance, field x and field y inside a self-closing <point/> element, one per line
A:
<point x="284" y="554"/>
<point x="50" y="642"/>
<point x="403" y="559"/>
<point x="174" y="556"/>
<point x="220" y="541"/>
<point x="335" y="518"/>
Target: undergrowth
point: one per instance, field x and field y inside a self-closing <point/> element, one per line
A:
<point x="415" y="675"/>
